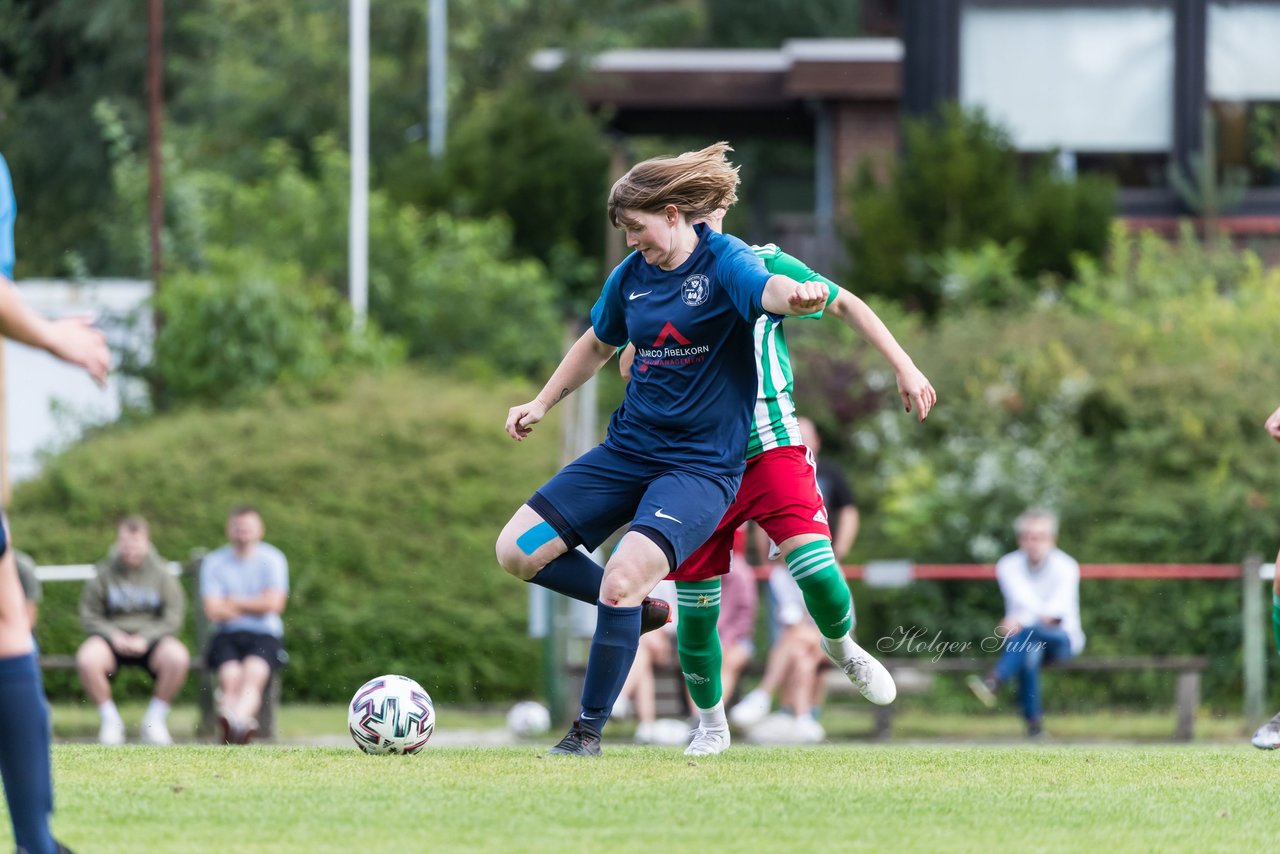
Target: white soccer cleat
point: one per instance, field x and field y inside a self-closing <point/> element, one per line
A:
<point x="751" y="710"/>
<point x="871" y="677"/>
<point x="111" y="733"/>
<point x="1268" y="735"/>
<point x="156" y="731"/>
<point x="708" y="742"/>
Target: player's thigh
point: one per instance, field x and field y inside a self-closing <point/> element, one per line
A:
<point x="583" y="504"/>
<point x="680" y="510"/>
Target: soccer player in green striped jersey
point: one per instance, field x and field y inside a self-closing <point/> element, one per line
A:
<point x="779" y="492"/>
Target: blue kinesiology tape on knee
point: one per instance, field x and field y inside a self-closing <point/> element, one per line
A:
<point x="536" y="537"/>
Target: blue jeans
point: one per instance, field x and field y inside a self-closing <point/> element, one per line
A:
<point x="1023" y="656"/>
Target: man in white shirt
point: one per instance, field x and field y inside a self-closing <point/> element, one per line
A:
<point x="1041" y="625"/>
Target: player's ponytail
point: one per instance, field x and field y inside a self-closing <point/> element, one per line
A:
<point x="696" y="182"/>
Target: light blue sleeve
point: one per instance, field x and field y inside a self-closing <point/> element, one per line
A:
<point x="743" y="276"/>
<point x="211" y="581"/>
<point x="607" y="316"/>
<point x="278" y="571"/>
<point x="8" y="213"/>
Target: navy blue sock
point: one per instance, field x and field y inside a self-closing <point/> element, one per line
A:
<point x="573" y="574"/>
<point x="24" y="753"/>
<point x="612" y="650"/>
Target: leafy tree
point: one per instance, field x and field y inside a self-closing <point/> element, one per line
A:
<point x="960" y="184"/>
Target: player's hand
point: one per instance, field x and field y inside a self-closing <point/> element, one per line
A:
<point x="808" y="297"/>
<point x="77" y="341"/>
<point x="915" y="390"/>
<point x="1273" y="425"/>
<point x="520" y="419"/>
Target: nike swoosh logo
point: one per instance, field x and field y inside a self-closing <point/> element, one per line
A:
<point x="662" y="515"/>
<point x="637" y="296"/>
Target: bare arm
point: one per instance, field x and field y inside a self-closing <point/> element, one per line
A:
<point x="787" y="297"/>
<point x="266" y="602"/>
<point x="71" y="339"/>
<point x="848" y="527"/>
<point x="913" y="386"/>
<point x="587" y="356"/>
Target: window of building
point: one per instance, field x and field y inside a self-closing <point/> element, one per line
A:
<point x="1243" y="82"/>
<point x="1095" y="82"/>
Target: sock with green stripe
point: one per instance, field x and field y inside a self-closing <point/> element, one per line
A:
<point x="697" y="640"/>
<point x="1275" y="618"/>
<point x="826" y="594"/>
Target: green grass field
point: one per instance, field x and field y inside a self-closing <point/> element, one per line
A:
<point x="866" y="798"/>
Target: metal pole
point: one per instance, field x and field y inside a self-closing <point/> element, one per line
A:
<point x="358" y="234"/>
<point x="437" y="61"/>
<point x="155" y="120"/>
<point x="1255" y="645"/>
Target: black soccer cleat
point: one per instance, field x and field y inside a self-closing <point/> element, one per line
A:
<point x="654" y="614"/>
<point x="580" y="741"/>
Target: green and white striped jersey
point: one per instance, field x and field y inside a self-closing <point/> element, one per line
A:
<point x="773" y="423"/>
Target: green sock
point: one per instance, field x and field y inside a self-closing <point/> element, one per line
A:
<point x="697" y="640"/>
<point x="826" y="594"/>
<point x="1275" y="618"/>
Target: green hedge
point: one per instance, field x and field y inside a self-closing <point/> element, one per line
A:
<point x="386" y="499"/>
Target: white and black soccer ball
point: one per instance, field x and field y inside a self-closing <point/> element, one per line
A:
<point x="391" y="714"/>
<point x="528" y="718"/>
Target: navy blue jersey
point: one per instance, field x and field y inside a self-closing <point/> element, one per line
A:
<point x="693" y="383"/>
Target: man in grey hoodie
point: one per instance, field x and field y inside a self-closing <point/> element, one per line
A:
<point x="132" y="612"/>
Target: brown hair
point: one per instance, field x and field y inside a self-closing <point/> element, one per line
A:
<point x="243" y="510"/>
<point x="696" y="182"/>
<point x="134" y="524"/>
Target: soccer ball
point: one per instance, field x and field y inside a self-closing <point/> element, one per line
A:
<point x="391" y="714"/>
<point x="528" y="718"/>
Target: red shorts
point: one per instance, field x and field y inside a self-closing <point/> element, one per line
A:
<point x="779" y="493"/>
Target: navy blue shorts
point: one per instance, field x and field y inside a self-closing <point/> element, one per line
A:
<point x="603" y="490"/>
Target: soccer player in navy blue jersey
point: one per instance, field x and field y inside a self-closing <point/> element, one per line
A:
<point x="24" y="716"/>
<point x="673" y="457"/>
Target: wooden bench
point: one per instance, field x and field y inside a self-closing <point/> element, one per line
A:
<point x="205" y="681"/>
<point x="1186" y="687"/>
<point x="671" y="700"/>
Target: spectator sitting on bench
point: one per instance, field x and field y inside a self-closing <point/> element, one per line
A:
<point x="132" y="611"/>
<point x="1041" y="587"/>
<point x="244" y="586"/>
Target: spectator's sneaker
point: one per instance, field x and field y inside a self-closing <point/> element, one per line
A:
<point x="984" y="688"/>
<point x="622" y="708"/>
<point x="1035" y="729"/>
<point x="111" y="732"/>
<point x="242" y="731"/>
<point x="654" y="614"/>
<point x="155" y="731"/>
<point x="751" y="709"/>
<point x="809" y="731"/>
<point x="708" y="742"/>
<point x="871" y="677"/>
<point x="777" y="728"/>
<point x="1268" y="735"/>
<point x="59" y="848"/>
<point x="644" y="734"/>
<point x="578" y="742"/>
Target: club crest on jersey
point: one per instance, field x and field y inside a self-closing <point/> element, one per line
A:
<point x="695" y="289"/>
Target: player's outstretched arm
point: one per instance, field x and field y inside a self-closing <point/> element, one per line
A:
<point x="71" y="339"/>
<point x="587" y="356"/>
<point x="1273" y="427"/>
<point x="913" y="386"/>
<point x="789" y="298"/>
